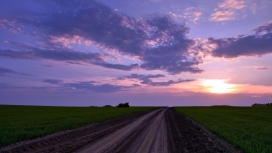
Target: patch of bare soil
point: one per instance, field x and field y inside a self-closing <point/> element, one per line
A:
<point x="185" y="135"/>
<point x="159" y="131"/>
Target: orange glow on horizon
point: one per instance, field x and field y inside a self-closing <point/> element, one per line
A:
<point x="218" y="86"/>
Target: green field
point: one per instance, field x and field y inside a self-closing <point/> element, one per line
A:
<point x="248" y="128"/>
<point x="19" y="123"/>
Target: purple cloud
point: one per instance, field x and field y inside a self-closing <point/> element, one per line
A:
<point x="151" y="39"/>
<point x="53" y="81"/>
<point x="60" y="54"/>
<point x="146" y="79"/>
<point x="4" y="71"/>
<point x="265" y="28"/>
<point x="90" y="86"/>
<point x="263" y="68"/>
<point x="251" y="45"/>
<point x="119" y="66"/>
<point x="87" y="86"/>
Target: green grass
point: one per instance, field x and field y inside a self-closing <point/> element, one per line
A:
<point x="19" y="123"/>
<point x="248" y="128"/>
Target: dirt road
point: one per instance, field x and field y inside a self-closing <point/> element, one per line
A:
<point x="159" y="131"/>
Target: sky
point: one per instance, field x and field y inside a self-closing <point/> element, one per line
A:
<point x="145" y="52"/>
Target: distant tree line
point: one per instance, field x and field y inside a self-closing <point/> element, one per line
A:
<point x="107" y="106"/>
<point x="119" y="105"/>
<point x="261" y="105"/>
<point x="123" y="105"/>
<point x="221" y="106"/>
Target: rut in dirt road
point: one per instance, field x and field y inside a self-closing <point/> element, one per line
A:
<point x="147" y="134"/>
<point x="159" y="131"/>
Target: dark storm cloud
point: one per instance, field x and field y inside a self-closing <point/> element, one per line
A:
<point x="251" y="45"/>
<point x="4" y="71"/>
<point x="53" y="81"/>
<point x="146" y="79"/>
<point x="90" y="86"/>
<point x="158" y="41"/>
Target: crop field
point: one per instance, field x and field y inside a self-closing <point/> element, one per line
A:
<point x="19" y="123"/>
<point x="248" y="128"/>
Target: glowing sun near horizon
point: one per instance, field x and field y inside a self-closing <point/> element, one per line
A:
<point x="218" y="86"/>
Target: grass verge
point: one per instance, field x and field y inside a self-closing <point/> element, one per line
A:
<point x="19" y="123"/>
<point x="248" y="128"/>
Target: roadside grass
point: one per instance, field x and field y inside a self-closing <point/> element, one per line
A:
<point x="19" y="123"/>
<point x="247" y="128"/>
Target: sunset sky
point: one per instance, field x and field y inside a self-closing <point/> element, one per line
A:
<point x="145" y="52"/>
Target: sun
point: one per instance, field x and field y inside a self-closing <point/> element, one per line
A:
<point x="218" y="86"/>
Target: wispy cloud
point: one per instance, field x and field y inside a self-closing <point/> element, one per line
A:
<point x="9" y="26"/>
<point x="263" y="68"/>
<point x="226" y="10"/>
<point x="91" y="86"/>
<point x="52" y="81"/>
<point x="71" y="40"/>
<point x="191" y="14"/>
<point x="147" y="79"/>
<point x="232" y="4"/>
<point x="264" y="29"/>
<point x="60" y="54"/>
<point x="5" y="71"/>
<point x="224" y="15"/>
<point x="155" y="0"/>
